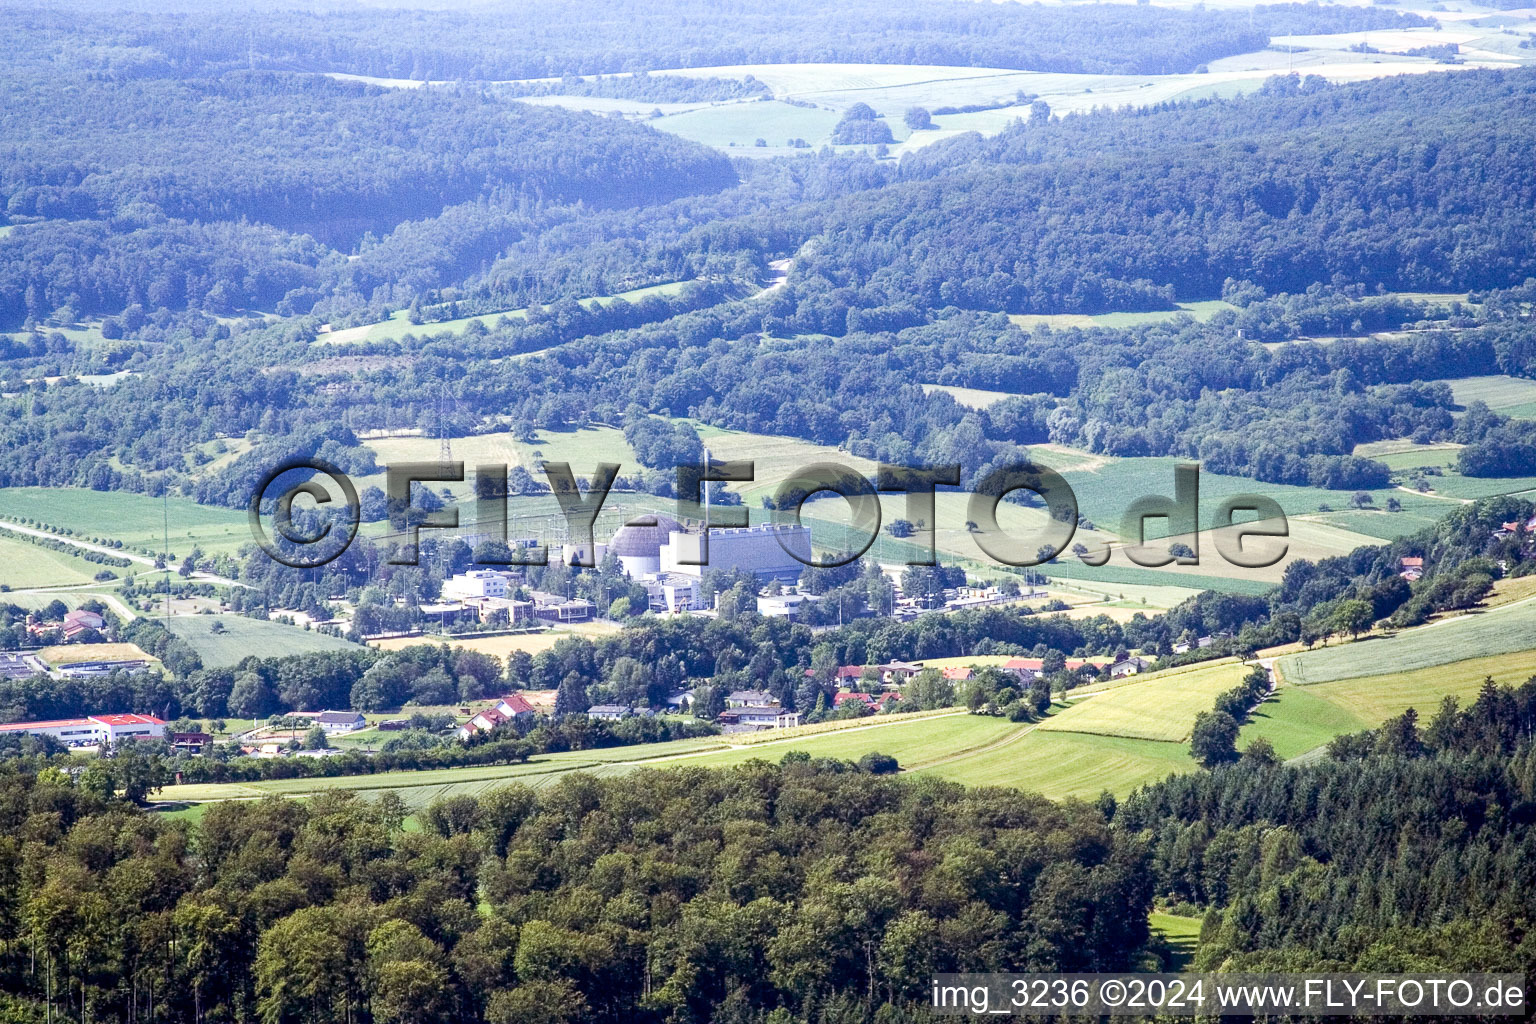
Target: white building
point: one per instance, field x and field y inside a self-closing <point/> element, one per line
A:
<point x="757" y="718"/>
<point x="93" y="730"/>
<point x="338" y="722"/>
<point x="637" y="544"/>
<point x="477" y="584"/>
<point x="672" y="592"/>
<point x="770" y="550"/>
<point x="783" y="606"/>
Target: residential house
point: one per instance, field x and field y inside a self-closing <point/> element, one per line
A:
<point x="1411" y="569"/>
<point x="609" y="712"/>
<point x="512" y="707"/>
<point x="749" y="698"/>
<point x="1128" y="667"/>
<point x="336" y="723"/>
<point x="757" y="718"/>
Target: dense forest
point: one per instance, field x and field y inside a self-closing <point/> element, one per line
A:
<point x="552" y="38"/>
<point x="1406" y="848"/>
<point x="810" y="890"/>
<point x="807" y="891"/>
<point x="1186" y="201"/>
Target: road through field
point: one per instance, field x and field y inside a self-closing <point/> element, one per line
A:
<point x="202" y="577"/>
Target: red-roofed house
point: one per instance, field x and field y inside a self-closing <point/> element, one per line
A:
<point x="509" y="708"/>
<point x="80" y="620"/>
<point x="1411" y="569"/>
<point x="839" y="699"/>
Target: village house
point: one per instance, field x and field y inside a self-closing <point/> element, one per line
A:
<point x="757" y="718"/>
<point x="512" y="707"/>
<point x="337" y="723"/>
<point x="749" y="698"/>
<point x="1128" y="667"/>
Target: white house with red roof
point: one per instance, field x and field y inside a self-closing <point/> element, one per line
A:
<point x="509" y="708"/>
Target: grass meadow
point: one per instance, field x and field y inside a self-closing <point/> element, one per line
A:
<point x="25" y="564"/>
<point x="241" y="637"/>
<point x="1302" y="718"/>
<point x="1065" y="764"/>
<point x="1160" y="706"/>
<point x="139" y="521"/>
<point x="1508" y="629"/>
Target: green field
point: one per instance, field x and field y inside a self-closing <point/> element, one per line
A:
<point x="1295" y="720"/>
<point x="1504" y="630"/>
<point x="739" y="126"/>
<point x="971" y="398"/>
<point x="135" y="519"/>
<point x="1065" y="764"/>
<point x="1302" y="718"/>
<point x="1374" y="699"/>
<point x="1160" y="706"/>
<point x="243" y="637"/>
<point x="1512" y="396"/>
<point x="1389" y="525"/>
<point x="1454" y="485"/>
<point x="975" y="750"/>
<point x="1182" y="934"/>
<point x="25" y="564"/>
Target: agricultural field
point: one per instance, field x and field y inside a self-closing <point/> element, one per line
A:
<point x="1059" y="765"/>
<point x="1302" y="718"/>
<point x="1510" y="396"/>
<point x="25" y="564"/>
<point x="584" y="448"/>
<point x="240" y="637"/>
<point x="971" y="398"/>
<point x="137" y="520"/>
<point x="1202" y="311"/>
<point x="915" y="744"/>
<point x="1504" y="630"/>
<point x="1507" y="629"/>
<point x="1470" y="488"/>
<point x="1158" y="706"/>
<point x="738" y="126"/>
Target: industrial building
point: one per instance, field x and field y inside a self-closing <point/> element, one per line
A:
<point x="92" y="730"/>
<point x="768" y="551"/>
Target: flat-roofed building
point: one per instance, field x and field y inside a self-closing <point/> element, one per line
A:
<point x="93" y="729"/>
<point x="769" y="551"/>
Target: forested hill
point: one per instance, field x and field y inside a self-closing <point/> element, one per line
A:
<point x="1367" y="182"/>
<point x="310" y="154"/>
<point x="1409" y="848"/>
<point x="556" y="37"/>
